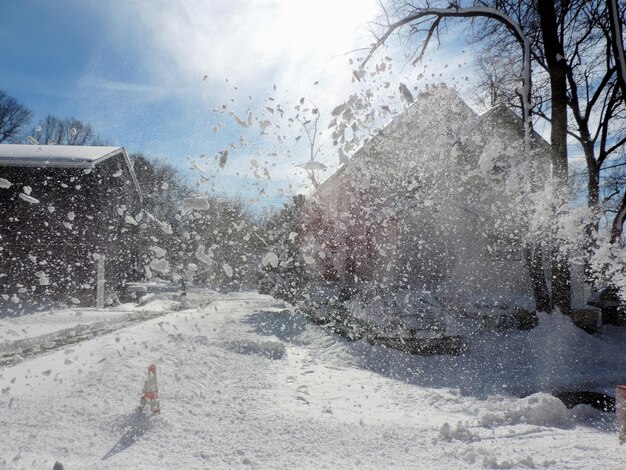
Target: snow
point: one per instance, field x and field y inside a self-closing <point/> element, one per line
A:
<point x="130" y="220"/>
<point x="161" y="265"/>
<point x="245" y="383"/>
<point x="195" y="203"/>
<point x="314" y="166"/>
<point x="201" y="255"/>
<point x="57" y="156"/>
<point x="270" y="258"/>
<point x="227" y="269"/>
<point x="158" y="251"/>
<point x="5" y="183"/>
<point x="27" y="198"/>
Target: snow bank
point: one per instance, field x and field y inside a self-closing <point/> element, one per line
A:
<point x="539" y="409"/>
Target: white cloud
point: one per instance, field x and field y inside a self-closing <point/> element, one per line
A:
<point x="251" y="42"/>
<point x="184" y="51"/>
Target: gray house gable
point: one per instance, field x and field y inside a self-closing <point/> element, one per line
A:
<point x="427" y="202"/>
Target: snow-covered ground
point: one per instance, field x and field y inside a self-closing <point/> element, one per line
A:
<point x="244" y="383"/>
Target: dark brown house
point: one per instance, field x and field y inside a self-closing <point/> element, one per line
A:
<point x="61" y="208"/>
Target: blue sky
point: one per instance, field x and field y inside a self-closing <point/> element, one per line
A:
<point x="66" y="58"/>
<point x="147" y="74"/>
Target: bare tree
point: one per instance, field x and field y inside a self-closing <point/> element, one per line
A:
<point x="580" y="38"/>
<point x="56" y="131"/>
<point x="13" y="117"/>
<point x="424" y="21"/>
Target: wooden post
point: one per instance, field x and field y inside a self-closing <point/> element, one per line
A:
<point x="620" y="411"/>
<point x="100" y="281"/>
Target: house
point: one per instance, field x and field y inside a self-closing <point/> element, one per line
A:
<point x="63" y="207"/>
<point x="434" y="201"/>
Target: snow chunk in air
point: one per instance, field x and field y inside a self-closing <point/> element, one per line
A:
<point x="271" y="259"/>
<point x="195" y="204"/>
<point x="27" y="198"/>
<point x="228" y="270"/>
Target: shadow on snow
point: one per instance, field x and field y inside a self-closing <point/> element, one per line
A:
<point x="135" y="425"/>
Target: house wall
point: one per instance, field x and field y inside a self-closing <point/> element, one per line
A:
<point x="76" y="216"/>
<point x="435" y="193"/>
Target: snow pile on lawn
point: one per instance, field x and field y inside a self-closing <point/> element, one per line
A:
<point x="321" y="402"/>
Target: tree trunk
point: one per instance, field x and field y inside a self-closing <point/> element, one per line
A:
<point x="617" y="46"/>
<point x="534" y="261"/>
<point x="593" y="202"/>
<point x="618" y="221"/>
<point x="557" y="69"/>
<point x="620" y="63"/>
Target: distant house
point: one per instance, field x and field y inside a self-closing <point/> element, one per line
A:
<point x="429" y="203"/>
<point x="62" y="207"/>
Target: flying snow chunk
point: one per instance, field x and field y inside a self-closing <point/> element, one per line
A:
<point x="406" y="94"/>
<point x="130" y="220"/>
<point x="167" y="228"/>
<point x="27" y="190"/>
<point x="201" y="255"/>
<point x="228" y="270"/>
<point x="292" y="236"/>
<point x="242" y="123"/>
<point x="71" y="215"/>
<point x="195" y="204"/>
<point x="196" y="167"/>
<point x="5" y="184"/>
<point x="158" y="251"/>
<point x="28" y="198"/>
<point x="164" y="186"/>
<point x="314" y="166"/>
<point x="271" y="259"/>
<point x="117" y="174"/>
<point x="309" y="259"/>
<point x="223" y="158"/>
<point x="160" y="265"/>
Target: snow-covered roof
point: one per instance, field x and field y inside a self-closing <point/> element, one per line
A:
<point x="62" y="156"/>
<point x="55" y="156"/>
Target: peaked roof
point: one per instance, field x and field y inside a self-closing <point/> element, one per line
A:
<point x="62" y="156"/>
<point x="55" y="156"/>
<point x="431" y="94"/>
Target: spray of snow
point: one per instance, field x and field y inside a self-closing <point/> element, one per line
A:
<point x="195" y="204"/>
<point x="30" y="199"/>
